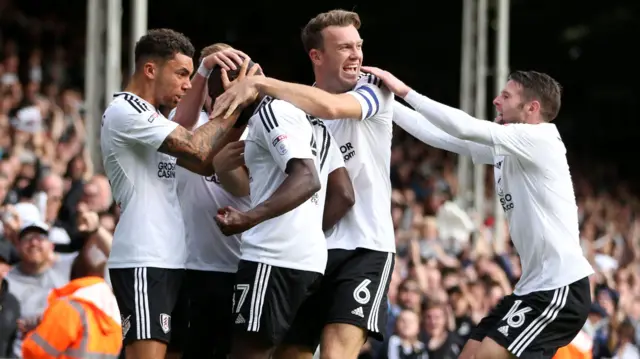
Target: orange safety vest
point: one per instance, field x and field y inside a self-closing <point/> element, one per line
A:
<point x="580" y="348"/>
<point x="81" y="321"/>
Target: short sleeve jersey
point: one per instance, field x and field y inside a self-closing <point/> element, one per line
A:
<point x="150" y="232"/>
<point x="278" y="133"/>
<point x="365" y="145"/>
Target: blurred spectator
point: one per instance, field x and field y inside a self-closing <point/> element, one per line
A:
<point x="9" y="306"/>
<point x="38" y="272"/>
<point x="441" y="342"/>
<point x="406" y="343"/>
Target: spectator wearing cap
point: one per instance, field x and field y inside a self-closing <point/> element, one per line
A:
<point x="9" y="306"/>
<point x="38" y="272"/>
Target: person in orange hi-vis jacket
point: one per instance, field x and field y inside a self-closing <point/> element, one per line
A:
<point x="580" y="348"/>
<point x="82" y="320"/>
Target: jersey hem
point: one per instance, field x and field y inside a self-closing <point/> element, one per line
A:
<point x="212" y="268"/>
<point x="282" y="264"/>
<point x="521" y="293"/>
<point x="163" y="265"/>
<point x="371" y="248"/>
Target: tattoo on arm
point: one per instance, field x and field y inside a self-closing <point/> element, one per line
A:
<point x="200" y="146"/>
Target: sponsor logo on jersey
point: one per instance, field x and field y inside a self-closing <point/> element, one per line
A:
<point x="278" y="140"/>
<point x="348" y="151"/>
<point x="166" y="169"/>
<point x="153" y="117"/>
<point x="279" y="144"/>
<point x="213" y="178"/>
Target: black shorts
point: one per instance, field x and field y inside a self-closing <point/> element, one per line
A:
<point x="535" y="325"/>
<point x="267" y="299"/>
<point x="352" y="291"/>
<point x="150" y="299"/>
<point x="210" y="299"/>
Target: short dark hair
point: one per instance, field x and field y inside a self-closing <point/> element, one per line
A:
<point x="162" y="44"/>
<point x="541" y="87"/>
<point x="312" y="32"/>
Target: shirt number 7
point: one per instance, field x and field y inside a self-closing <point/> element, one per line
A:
<point x="244" y="290"/>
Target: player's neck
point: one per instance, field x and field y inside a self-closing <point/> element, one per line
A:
<point x="534" y="120"/>
<point x="324" y="83"/>
<point x="141" y="88"/>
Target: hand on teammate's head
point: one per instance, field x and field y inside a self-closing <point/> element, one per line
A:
<point x="239" y="94"/>
<point x="247" y="68"/>
<point x="228" y="59"/>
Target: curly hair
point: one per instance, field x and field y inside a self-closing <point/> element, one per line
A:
<point x="162" y="45"/>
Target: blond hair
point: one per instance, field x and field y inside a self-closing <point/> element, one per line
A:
<point x="312" y="32"/>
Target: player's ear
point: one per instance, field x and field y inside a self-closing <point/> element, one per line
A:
<point x="315" y="56"/>
<point x="150" y="69"/>
<point x="534" y="106"/>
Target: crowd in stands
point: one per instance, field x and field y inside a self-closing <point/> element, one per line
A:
<point x="448" y="273"/>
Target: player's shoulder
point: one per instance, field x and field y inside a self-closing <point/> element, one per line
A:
<point x="271" y="112"/>
<point x="547" y="132"/>
<point x="127" y="106"/>
<point x="370" y="79"/>
<point x="281" y="107"/>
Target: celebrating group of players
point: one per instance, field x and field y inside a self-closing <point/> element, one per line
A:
<point x="255" y="213"/>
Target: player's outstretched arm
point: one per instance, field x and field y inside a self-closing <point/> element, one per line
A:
<point x="340" y="197"/>
<point x="452" y="121"/>
<point x="419" y="127"/>
<point x="364" y="102"/>
<point x="195" y="150"/>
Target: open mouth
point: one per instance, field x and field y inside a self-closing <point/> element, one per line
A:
<point x="351" y="69"/>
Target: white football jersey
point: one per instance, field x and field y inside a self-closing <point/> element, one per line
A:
<point x="150" y="232"/>
<point x="534" y="186"/>
<point x="200" y="197"/>
<point x="365" y="145"/>
<point x="533" y="183"/>
<point x="279" y="132"/>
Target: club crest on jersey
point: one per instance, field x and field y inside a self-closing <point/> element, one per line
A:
<point x="165" y="322"/>
<point x="279" y="144"/>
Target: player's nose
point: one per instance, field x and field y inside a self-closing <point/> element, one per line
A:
<point x="186" y="85"/>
